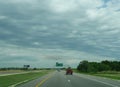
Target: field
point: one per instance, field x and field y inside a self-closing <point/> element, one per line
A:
<point x="6" y="81"/>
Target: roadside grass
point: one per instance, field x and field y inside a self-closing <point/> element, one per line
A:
<point x="6" y="81"/>
<point x="107" y="74"/>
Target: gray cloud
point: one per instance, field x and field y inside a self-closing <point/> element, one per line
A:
<point x="38" y="30"/>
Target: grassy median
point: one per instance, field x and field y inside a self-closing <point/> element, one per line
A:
<point x="6" y="81"/>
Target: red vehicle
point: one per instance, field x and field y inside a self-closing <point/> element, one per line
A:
<point x="69" y="71"/>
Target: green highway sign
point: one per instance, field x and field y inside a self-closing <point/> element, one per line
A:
<point x="59" y="64"/>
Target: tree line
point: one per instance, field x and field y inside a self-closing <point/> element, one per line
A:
<point x="85" y="66"/>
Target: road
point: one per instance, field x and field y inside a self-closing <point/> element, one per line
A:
<point x="59" y="79"/>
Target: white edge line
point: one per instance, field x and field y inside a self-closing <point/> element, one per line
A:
<point x="18" y="83"/>
<point x="105" y="78"/>
<point x="101" y="82"/>
<point x="14" y="85"/>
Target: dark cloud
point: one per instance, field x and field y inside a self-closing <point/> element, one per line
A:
<point x="59" y="25"/>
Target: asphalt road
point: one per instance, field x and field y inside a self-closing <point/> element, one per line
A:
<point x="59" y="79"/>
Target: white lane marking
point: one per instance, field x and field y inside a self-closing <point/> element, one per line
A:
<point x="102" y="82"/>
<point x="68" y="80"/>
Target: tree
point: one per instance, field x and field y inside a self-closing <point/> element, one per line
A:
<point x="83" y="66"/>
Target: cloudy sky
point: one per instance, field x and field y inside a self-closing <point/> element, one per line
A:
<point x="43" y="32"/>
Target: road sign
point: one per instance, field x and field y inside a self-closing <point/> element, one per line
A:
<point x="59" y="64"/>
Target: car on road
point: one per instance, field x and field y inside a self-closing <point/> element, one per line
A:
<point x="69" y="71"/>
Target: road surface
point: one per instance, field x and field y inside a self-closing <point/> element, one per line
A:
<point x="59" y="79"/>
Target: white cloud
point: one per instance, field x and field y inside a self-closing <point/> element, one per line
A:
<point x="2" y="17"/>
<point x="22" y="1"/>
<point x="62" y="6"/>
<point x="95" y="14"/>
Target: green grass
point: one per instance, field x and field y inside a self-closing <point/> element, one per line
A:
<point x="6" y="81"/>
<point x="107" y="74"/>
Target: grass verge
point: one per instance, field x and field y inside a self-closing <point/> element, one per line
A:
<point x="107" y="74"/>
<point x="6" y="81"/>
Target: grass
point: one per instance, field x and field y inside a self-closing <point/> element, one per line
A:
<point x="107" y="74"/>
<point x="6" y="81"/>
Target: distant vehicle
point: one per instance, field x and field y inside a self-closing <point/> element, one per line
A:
<point x="69" y="71"/>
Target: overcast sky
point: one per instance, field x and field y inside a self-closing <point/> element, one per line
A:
<point x="43" y="32"/>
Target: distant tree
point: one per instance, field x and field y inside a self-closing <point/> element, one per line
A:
<point x="103" y="67"/>
<point x="93" y="66"/>
<point x="83" y="66"/>
<point x="26" y="67"/>
<point x="34" y="68"/>
<point x="115" y="66"/>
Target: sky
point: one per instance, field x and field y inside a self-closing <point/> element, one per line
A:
<point x="43" y="32"/>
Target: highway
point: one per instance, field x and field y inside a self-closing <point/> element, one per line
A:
<point x="59" y="79"/>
